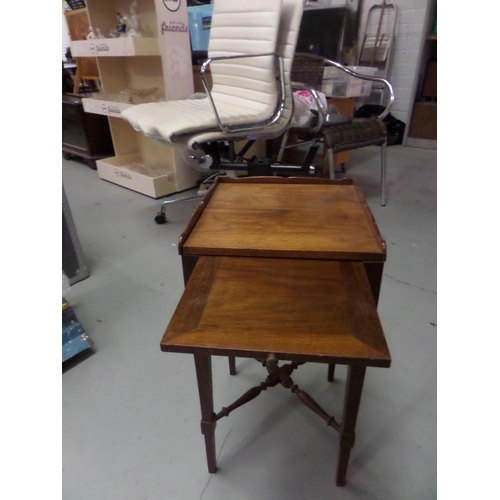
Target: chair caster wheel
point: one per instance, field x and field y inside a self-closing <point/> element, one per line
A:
<point x="160" y="218"/>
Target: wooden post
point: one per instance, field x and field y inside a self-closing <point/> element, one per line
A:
<point x="203" y="364"/>
<point x="232" y="365"/>
<point x="331" y="372"/>
<point x="355" y="379"/>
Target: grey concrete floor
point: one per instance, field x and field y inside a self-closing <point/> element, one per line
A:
<point x="131" y="413"/>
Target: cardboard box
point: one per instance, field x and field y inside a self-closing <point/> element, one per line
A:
<point x="424" y="121"/>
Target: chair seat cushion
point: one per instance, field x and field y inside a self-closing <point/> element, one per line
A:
<point x="160" y="119"/>
<point x="359" y="133"/>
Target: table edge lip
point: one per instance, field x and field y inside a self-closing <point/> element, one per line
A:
<point x="184" y="236"/>
<point x="282" y="253"/>
<point x="382" y="362"/>
<point x="205" y="271"/>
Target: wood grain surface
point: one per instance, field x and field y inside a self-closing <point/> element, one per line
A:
<point x="307" y="310"/>
<point x="274" y="218"/>
<point x="78" y="27"/>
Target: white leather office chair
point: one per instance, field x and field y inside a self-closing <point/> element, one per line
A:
<point x="251" y="49"/>
<point x="250" y="53"/>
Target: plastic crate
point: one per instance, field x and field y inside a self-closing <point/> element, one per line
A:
<point x="200" y="20"/>
<point x="337" y="83"/>
<point x="76" y="4"/>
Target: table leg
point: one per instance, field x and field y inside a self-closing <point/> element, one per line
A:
<point x="355" y="378"/>
<point x="232" y="365"/>
<point x="203" y="363"/>
<point x="331" y="372"/>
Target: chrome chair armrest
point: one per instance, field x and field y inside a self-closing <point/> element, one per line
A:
<point x="280" y="73"/>
<point x="319" y="104"/>
<point x="387" y="84"/>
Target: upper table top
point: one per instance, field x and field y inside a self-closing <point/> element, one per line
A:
<point x="284" y="217"/>
<point x="298" y="309"/>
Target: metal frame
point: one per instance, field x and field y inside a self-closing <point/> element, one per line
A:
<point x="386" y="70"/>
<point x="322" y="113"/>
<point x="280" y="105"/>
<point x="389" y="7"/>
<point x="379" y="79"/>
<point x="161" y="216"/>
<point x="390" y="90"/>
<point x="212" y="154"/>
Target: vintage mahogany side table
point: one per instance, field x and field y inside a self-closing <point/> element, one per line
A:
<point x="305" y="253"/>
<point x="294" y="217"/>
<point x="274" y="309"/>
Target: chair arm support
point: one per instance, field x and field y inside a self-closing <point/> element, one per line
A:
<point x="387" y="84"/>
<point x="280" y="85"/>
<point x="319" y="104"/>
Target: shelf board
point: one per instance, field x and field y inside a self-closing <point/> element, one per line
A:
<point x="432" y="37"/>
<point x="106" y="108"/>
<point x="116" y="47"/>
<point x="129" y="171"/>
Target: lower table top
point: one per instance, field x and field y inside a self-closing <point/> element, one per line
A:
<point x="298" y="309"/>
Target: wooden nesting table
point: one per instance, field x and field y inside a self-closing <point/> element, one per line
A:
<point x="295" y="218"/>
<point x="281" y="270"/>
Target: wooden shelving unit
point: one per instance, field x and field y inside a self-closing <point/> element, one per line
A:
<point x="139" y="63"/>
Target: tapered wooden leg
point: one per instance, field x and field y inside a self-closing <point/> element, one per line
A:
<point x="203" y="363"/>
<point x="331" y="372"/>
<point x="354" y="387"/>
<point x="232" y="365"/>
